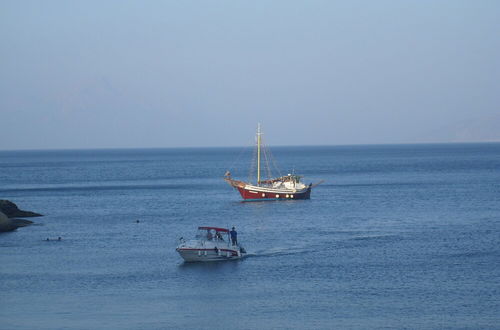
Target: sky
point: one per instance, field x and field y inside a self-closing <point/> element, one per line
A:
<point x="134" y="74"/>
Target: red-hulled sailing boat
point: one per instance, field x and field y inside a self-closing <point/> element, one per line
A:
<point x="282" y="188"/>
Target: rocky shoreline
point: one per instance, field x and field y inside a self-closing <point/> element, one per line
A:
<point x="9" y="213"/>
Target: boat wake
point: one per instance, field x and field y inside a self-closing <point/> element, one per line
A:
<point x="277" y="251"/>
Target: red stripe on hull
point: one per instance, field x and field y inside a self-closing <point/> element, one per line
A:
<point x="258" y="195"/>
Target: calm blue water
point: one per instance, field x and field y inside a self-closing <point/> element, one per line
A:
<point x="403" y="236"/>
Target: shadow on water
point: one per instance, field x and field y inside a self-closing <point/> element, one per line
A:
<point x="210" y="265"/>
<point x="266" y="203"/>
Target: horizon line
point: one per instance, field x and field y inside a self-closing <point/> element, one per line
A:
<point x="242" y="146"/>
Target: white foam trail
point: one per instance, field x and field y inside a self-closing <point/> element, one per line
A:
<point x="277" y="251"/>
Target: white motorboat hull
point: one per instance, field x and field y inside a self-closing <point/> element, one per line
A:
<point x="210" y="247"/>
<point x="202" y="255"/>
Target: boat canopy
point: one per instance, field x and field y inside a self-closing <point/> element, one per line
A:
<point x="215" y="228"/>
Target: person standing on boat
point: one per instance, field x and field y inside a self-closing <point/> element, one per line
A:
<point x="234" y="236"/>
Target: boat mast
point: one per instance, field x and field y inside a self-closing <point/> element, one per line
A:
<point x="258" y="154"/>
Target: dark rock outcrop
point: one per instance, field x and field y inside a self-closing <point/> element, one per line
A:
<point x="9" y="211"/>
<point x="12" y="211"/>
<point x="7" y="224"/>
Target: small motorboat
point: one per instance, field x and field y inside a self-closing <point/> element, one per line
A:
<point x="210" y="244"/>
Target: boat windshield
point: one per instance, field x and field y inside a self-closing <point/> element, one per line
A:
<point x="210" y="235"/>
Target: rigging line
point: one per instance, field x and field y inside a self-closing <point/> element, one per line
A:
<point x="265" y="159"/>
<point x="268" y="168"/>
<point x="243" y="149"/>
<point x="252" y="164"/>
<point x="275" y="165"/>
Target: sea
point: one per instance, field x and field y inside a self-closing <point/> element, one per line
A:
<point x="396" y="237"/>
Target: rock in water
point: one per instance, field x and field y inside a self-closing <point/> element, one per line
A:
<point x="7" y="224"/>
<point x="12" y="211"/>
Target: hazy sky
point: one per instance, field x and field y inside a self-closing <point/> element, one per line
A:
<point x="102" y="74"/>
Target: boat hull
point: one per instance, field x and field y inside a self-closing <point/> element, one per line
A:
<point x="253" y="193"/>
<point x="204" y="255"/>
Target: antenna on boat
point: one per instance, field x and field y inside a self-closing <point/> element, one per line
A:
<point x="258" y="153"/>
